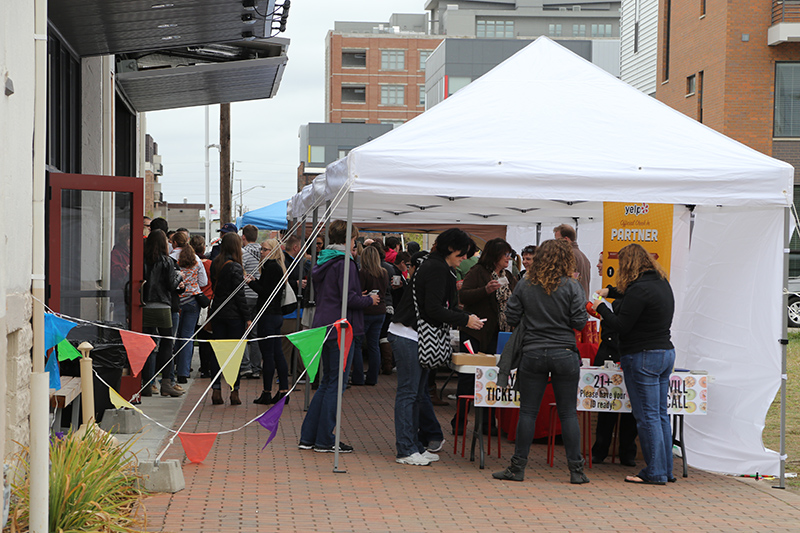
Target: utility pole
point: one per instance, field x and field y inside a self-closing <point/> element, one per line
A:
<point x="225" y="163"/>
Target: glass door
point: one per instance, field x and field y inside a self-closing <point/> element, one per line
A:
<point x="95" y="248"/>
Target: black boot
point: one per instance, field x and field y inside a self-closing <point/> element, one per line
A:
<point x="576" y="475"/>
<point x="386" y="358"/>
<point x="514" y="472"/>
<point x="264" y="399"/>
<point x="277" y="397"/>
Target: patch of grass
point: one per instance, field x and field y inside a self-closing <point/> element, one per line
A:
<point x="772" y="428"/>
<point x="93" y="486"/>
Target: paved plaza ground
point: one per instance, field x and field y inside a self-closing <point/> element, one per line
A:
<point x="241" y="488"/>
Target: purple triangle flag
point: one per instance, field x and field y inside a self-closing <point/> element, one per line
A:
<point x="270" y="419"/>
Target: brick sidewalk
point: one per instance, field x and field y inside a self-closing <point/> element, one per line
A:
<point x="241" y="488"/>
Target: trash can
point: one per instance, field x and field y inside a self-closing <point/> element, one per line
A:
<point x="109" y="359"/>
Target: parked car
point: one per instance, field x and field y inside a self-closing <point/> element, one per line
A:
<point x="794" y="303"/>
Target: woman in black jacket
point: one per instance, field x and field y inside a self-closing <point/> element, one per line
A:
<point x="647" y="355"/>
<point x="161" y="281"/>
<point x="233" y="318"/>
<point x="272" y="272"/>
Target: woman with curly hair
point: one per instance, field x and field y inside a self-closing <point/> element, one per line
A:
<point x="549" y="304"/>
<point x="647" y="355"/>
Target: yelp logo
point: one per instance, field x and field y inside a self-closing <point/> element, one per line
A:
<point x="637" y="210"/>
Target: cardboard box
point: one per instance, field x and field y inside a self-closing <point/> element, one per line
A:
<point x="479" y="359"/>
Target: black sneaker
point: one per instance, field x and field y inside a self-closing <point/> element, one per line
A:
<point x="343" y="448"/>
<point x="304" y="446"/>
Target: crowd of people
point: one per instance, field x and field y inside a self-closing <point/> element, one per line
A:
<point x="401" y="306"/>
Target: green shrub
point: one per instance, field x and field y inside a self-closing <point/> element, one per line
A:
<point x="93" y="486"/>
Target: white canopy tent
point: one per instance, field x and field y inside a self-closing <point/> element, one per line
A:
<point x="547" y="136"/>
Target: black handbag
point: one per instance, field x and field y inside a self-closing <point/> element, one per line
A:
<point x="202" y="300"/>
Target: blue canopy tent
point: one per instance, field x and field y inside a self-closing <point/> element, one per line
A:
<point x="271" y="217"/>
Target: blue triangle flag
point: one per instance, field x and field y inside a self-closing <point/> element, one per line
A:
<point x="52" y="367"/>
<point x="55" y="330"/>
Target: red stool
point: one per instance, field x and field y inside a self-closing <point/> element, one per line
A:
<point x="467" y="399"/>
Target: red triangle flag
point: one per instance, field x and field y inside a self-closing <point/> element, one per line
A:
<point x="197" y="445"/>
<point x="138" y="347"/>
<point x="348" y="336"/>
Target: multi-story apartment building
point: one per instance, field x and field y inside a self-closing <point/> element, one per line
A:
<point x="579" y="19"/>
<point x="375" y="72"/>
<point x="638" y="34"/>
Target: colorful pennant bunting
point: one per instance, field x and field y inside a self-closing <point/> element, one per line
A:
<point x="139" y="347"/>
<point x="348" y="336"/>
<point x="55" y="330"/>
<point x="67" y="351"/>
<point x="309" y="344"/>
<point x="197" y="445"/>
<point x="120" y="402"/>
<point x="270" y="419"/>
<point x="223" y="350"/>
<point x="55" y="374"/>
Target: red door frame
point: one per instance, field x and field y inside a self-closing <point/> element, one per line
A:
<point x="84" y="182"/>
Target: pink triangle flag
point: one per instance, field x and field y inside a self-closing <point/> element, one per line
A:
<point x="139" y="347"/>
<point x="197" y="445"/>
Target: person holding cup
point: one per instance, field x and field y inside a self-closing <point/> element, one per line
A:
<point x="485" y="292"/>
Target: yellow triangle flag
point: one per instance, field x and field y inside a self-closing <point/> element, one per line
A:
<point x="118" y="401"/>
<point x="223" y="349"/>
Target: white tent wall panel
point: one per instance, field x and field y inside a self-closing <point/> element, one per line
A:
<point x="730" y="326"/>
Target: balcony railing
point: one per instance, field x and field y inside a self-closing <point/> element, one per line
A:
<point x="785" y="11"/>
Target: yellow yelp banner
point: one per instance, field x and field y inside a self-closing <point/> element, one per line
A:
<point x="649" y="225"/>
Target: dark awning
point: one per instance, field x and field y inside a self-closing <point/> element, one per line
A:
<point x="103" y="27"/>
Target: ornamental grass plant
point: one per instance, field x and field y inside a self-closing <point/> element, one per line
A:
<point x="94" y="486"/>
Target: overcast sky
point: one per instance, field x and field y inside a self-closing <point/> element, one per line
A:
<point x="264" y="141"/>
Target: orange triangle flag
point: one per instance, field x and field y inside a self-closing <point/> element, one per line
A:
<point x="139" y="347"/>
<point x="197" y="445"/>
<point x="340" y="325"/>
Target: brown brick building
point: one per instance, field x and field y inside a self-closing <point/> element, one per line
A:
<point x="716" y="64"/>
<point x="376" y="78"/>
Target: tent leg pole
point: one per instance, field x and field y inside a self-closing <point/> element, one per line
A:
<point x="784" y="344"/>
<point x="538" y="233"/>
<point x="345" y="288"/>
<point x="314" y="251"/>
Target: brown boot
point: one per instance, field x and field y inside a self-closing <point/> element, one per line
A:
<point x="235" y="398"/>
<point x="216" y="397"/>
<point x="167" y="389"/>
<point x="436" y="399"/>
<point x="386" y="357"/>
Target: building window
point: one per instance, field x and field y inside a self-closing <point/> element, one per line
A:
<point x="454" y="83"/>
<point x="354" y="121"/>
<point x="421" y="95"/>
<point x="393" y="59"/>
<point x="354" y="58"/>
<point x="423" y="58"/>
<point x="702" y="8"/>
<point x="787" y="99"/>
<point x="555" y="30"/>
<point x="393" y="95"/>
<point x="579" y="30"/>
<point x="63" y="107"/>
<point x="495" y="29"/>
<point x="700" y="82"/>
<point x="667" y="29"/>
<point x="690" y="85"/>
<point x="316" y="154"/>
<point x="394" y="123"/>
<point x="354" y="94"/>
<point x="343" y="152"/>
<point x="601" y="30"/>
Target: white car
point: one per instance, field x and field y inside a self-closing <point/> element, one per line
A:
<point x="794" y="303"/>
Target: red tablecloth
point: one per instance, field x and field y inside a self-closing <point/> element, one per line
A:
<point x="510" y="417"/>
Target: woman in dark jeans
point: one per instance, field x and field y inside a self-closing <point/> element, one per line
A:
<point x="550" y="304"/>
<point x="161" y="280"/>
<point x="227" y="277"/>
<point x="643" y="321"/>
<point x="269" y="325"/>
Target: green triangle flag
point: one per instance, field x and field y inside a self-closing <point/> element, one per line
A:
<point x="67" y="351"/>
<point x="309" y="343"/>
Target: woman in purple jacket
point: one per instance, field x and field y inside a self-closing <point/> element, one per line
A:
<point x="327" y="276"/>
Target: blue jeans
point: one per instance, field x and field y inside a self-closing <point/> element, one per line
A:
<point x="226" y="329"/>
<point x="562" y="367"/>
<point x="271" y="353"/>
<point x="370" y="348"/>
<point x="190" y="313"/>
<point x="320" y="420"/>
<point x="647" y="378"/>
<point x="412" y="402"/>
